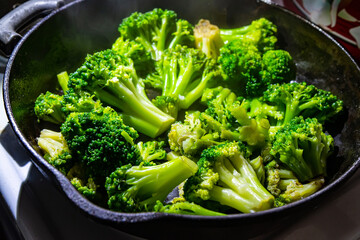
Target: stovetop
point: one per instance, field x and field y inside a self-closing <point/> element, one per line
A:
<point x="32" y="208"/>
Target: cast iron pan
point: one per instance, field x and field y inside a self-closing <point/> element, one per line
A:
<point x="61" y="40"/>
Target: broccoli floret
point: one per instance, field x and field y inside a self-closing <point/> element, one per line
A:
<point x="48" y="107"/>
<point x="225" y="119"/>
<point x="296" y="99"/>
<point x="55" y="149"/>
<point x="249" y="71"/>
<point x="184" y="207"/>
<point x="229" y="118"/>
<point x="261" y="33"/>
<point x="87" y="189"/>
<point x="151" y="152"/>
<point x="138" y="188"/>
<point x="143" y="63"/>
<point x="296" y="191"/>
<point x="207" y="38"/>
<point x="157" y="30"/>
<point x="184" y="73"/>
<point x="191" y="136"/>
<point x="113" y="79"/>
<point x="275" y="176"/>
<point x="241" y="66"/>
<point x="303" y="147"/>
<point x="100" y="141"/>
<point x="278" y="66"/>
<point x="225" y="176"/>
<point x="55" y="108"/>
<point x="258" y="166"/>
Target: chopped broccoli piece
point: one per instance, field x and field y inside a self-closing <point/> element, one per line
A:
<point x="113" y="79"/>
<point x="157" y="30"/>
<point x="48" y="107"/>
<point x="101" y="141"/>
<point x="138" y="188"/>
<point x="226" y="177"/>
<point x="296" y="191"/>
<point x="191" y="136"/>
<point x="245" y="68"/>
<point x="261" y="33"/>
<point x="296" y="99"/>
<point x="56" y="150"/>
<point x="303" y="147"/>
<point x="185" y="73"/>
<point x="187" y="208"/>
<point x="143" y="63"/>
<point x="208" y="39"/>
<point x="151" y="152"/>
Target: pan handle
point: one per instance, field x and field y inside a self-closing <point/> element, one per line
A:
<point x="20" y="16"/>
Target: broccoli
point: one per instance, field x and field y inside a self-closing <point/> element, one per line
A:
<point x="294" y="191"/>
<point x="185" y="73"/>
<point x="261" y="33"/>
<point x="85" y="184"/>
<point x="228" y="116"/>
<point x="296" y="99"/>
<point x="226" y="177"/>
<point x="143" y="63"/>
<point x="303" y="147"/>
<point x="48" y="107"/>
<point x="157" y="30"/>
<point x="151" y="152"/>
<point x="208" y="39"/>
<point x="258" y="166"/>
<point x="191" y="136"/>
<point x="113" y="79"/>
<point x="55" y="149"/>
<point x="245" y="68"/>
<point x="100" y="141"/>
<point x="184" y="207"/>
<point x="138" y="188"/>
<point x="55" y="108"/>
<point x="225" y="119"/>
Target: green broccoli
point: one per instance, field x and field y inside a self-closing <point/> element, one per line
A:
<point x="295" y="99"/>
<point x="294" y="191"/>
<point x="245" y="68"/>
<point x="228" y="116"/>
<point x="184" y="73"/>
<point x="157" y="30"/>
<point x="55" y="149"/>
<point x="113" y="80"/>
<point x="138" y="188"/>
<point x="143" y="63"/>
<point x="208" y="39"/>
<point x="261" y="33"/>
<point x="55" y="108"/>
<point x="151" y="152"/>
<point x="226" y="177"/>
<point x="184" y="207"/>
<point x="191" y="136"/>
<point x="303" y="147"/>
<point x="100" y="141"/>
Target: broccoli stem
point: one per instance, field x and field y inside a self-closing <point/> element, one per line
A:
<point x="297" y="164"/>
<point x="63" y="79"/>
<point x="239" y="176"/>
<point x="190" y="97"/>
<point x="138" y="110"/>
<point x="155" y="182"/>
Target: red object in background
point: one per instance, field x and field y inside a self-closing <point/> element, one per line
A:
<point x="340" y="31"/>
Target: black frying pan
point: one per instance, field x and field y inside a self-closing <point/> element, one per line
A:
<point x="61" y="40"/>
